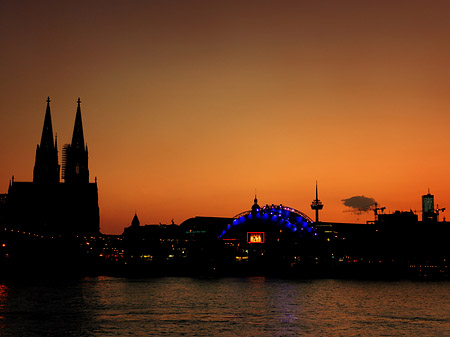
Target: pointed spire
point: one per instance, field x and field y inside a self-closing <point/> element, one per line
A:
<point x="46" y="168"/>
<point x="76" y="165"/>
<point x="47" y="131"/>
<point x="255" y="207"/>
<point x="135" y="222"/>
<point x="78" y="136"/>
<point x="317" y="194"/>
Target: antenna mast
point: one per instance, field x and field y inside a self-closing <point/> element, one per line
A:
<point x="317" y="204"/>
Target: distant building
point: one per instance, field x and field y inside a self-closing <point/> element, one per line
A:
<point x="428" y="211"/>
<point x="398" y="218"/>
<point x="152" y="243"/>
<point x="46" y="205"/>
<point x="282" y="241"/>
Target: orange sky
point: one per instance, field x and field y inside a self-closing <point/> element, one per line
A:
<point x="189" y="106"/>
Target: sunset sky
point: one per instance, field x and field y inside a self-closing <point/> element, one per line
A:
<point x="189" y="107"/>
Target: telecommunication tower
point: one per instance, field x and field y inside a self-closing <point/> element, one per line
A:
<point x="317" y="204"/>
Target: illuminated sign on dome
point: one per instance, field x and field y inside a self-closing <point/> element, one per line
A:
<point x="255" y="237"/>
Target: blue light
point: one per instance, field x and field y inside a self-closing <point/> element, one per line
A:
<point x="279" y="216"/>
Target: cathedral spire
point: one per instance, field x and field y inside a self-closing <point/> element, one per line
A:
<point x="46" y="167"/>
<point x="75" y="167"/>
<point x="78" y="136"/>
<point x="47" y="131"/>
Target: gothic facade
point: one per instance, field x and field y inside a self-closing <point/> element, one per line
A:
<point x="48" y="205"/>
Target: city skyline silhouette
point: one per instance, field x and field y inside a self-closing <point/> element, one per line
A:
<point x="188" y="108"/>
<point x="225" y="167"/>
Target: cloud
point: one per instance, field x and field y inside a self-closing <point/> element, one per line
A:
<point x="359" y="204"/>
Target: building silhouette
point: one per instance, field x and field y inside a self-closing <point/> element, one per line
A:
<point x="428" y="212"/>
<point x="46" y="205"/>
<point x="282" y="241"/>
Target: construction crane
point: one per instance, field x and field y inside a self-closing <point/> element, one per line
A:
<point x="376" y="209"/>
<point x="437" y="210"/>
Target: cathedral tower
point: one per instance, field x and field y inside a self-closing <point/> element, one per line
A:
<point x="75" y="155"/>
<point x="46" y="167"/>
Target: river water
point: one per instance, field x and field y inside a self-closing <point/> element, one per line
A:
<point x="258" y="306"/>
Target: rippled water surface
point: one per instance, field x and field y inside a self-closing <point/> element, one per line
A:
<point x="106" y="306"/>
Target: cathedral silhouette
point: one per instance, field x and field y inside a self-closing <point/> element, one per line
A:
<point x="48" y="205"/>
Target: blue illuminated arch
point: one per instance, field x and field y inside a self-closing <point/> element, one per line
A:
<point x="287" y="217"/>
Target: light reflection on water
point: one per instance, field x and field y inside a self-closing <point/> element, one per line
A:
<point x="3" y="297"/>
<point x="106" y="306"/>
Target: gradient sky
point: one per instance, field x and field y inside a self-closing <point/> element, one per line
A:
<point x="190" y="106"/>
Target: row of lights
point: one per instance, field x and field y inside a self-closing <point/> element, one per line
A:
<point x="277" y="215"/>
